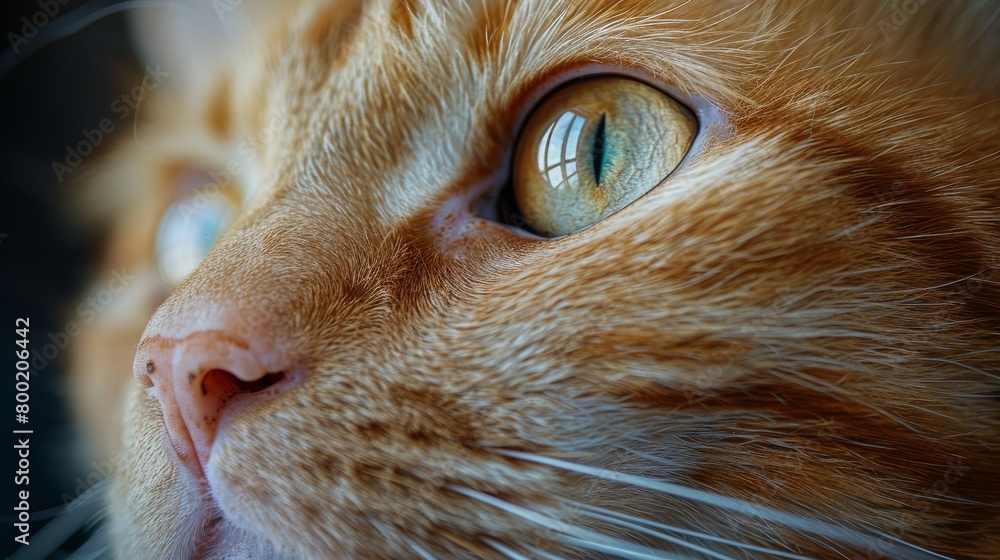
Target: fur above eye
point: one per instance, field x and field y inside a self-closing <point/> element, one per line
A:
<point x="594" y="147"/>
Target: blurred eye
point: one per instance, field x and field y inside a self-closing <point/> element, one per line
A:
<point x="594" y="147"/>
<point x="188" y="229"/>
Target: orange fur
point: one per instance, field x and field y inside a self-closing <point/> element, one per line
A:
<point x="804" y="316"/>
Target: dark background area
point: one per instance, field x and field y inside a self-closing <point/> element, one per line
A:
<point x="59" y="87"/>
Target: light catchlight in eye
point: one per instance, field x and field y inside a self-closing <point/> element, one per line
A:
<point x="188" y="230"/>
<point x="592" y="148"/>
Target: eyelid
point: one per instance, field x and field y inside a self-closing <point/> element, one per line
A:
<point x="707" y="113"/>
<point x="189" y="179"/>
<point x="712" y="126"/>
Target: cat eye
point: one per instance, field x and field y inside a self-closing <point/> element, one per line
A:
<point x="189" y="228"/>
<point x="592" y="148"/>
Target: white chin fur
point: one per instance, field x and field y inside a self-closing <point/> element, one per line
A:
<point x="223" y="541"/>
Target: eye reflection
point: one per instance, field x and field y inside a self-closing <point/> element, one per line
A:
<point x="594" y="147"/>
<point x="187" y="231"/>
<point x="557" y="160"/>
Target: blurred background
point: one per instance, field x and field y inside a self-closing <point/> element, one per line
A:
<point x="68" y="68"/>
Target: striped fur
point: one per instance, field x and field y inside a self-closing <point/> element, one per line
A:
<point x="803" y="319"/>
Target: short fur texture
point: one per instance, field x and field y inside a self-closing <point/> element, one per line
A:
<point x="802" y="320"/>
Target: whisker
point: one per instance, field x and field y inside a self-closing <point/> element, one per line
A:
<point x="387" y="535"/>
<point x="505" y="550"/>
<point x="688" y="532"/>
<point x="887" y="544"/>
<point x="94" y="493"/>
<point x="421" y="551"/>
<point x="103" y="552"/>
<point x="98" y="516"/>
<point x="60" y="528"/>
<point x="571" y="534"/>
<point x="97" y="546"/>
<point x="629" y="552"/>
<point x="87" y="496"/>
<point x="659" y="535"/>
<point x="545" y="555"/>
<point x="69" y="24"/>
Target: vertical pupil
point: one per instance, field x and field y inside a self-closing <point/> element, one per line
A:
<point x="598" y="155"/>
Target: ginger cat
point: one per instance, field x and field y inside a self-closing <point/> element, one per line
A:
<point x="556" y="279"/>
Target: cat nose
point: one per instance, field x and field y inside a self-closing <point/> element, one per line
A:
<point x="205" y="377"/>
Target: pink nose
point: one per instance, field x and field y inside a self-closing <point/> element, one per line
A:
<point x="204" y="378"/>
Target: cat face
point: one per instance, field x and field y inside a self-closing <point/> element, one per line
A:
<point x="767" y="345"/>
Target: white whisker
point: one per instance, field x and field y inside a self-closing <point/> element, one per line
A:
<point x="97" y="546"/>
<point x="421" y="551"/>
<point x="97" y="517"/>
<point x="887" y="544"/>
<point x="688" y="532"/>
<point x="387" y="535"/>
<point x="571" y="534"/>
<point x="506" y="551"/>
<point x="545" y="555"/>
<point x="103" y="552"/>
<point x="629" y="553"/>
<point x="659" y="535"/>
<point x="73" y="518"/>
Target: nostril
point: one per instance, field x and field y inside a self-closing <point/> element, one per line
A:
<point x="224" y="385"/>
<point x="213" y="392"/>
<point x="146" y="379"/>
<point x="205" y="380"/>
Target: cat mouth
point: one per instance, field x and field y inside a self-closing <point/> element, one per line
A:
<point x="209" y="543"/>
<point x="214" y="536"/>
<point x="220" y="540"/>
